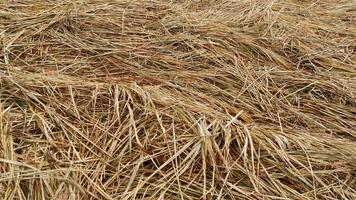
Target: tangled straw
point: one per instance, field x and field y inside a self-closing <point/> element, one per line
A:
<point x="184" y="99"/>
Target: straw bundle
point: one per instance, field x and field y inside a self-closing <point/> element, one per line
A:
<point x="189" y="99"/>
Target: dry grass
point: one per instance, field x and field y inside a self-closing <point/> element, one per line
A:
<point x="233" y="99"/>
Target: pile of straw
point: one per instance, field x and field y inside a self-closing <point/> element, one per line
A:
<point x="182" y="99"/>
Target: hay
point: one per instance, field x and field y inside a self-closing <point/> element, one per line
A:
<point x="178" y="100"/>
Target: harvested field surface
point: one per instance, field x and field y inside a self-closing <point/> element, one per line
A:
<point x="181" y="99"/>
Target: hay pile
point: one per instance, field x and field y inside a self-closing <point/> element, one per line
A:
<point x="231" y="99"/>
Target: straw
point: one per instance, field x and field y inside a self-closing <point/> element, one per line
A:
<point x="177" y="99"/>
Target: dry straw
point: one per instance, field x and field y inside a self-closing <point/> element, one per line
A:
<point x="236" y="99"/>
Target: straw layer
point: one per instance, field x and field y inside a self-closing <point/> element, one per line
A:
<point x="177" y="100"/>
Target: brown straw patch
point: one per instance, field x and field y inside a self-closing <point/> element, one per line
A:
<point x="174" y="99"/>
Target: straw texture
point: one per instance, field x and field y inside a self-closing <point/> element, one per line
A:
<point x="236" y="99"/>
